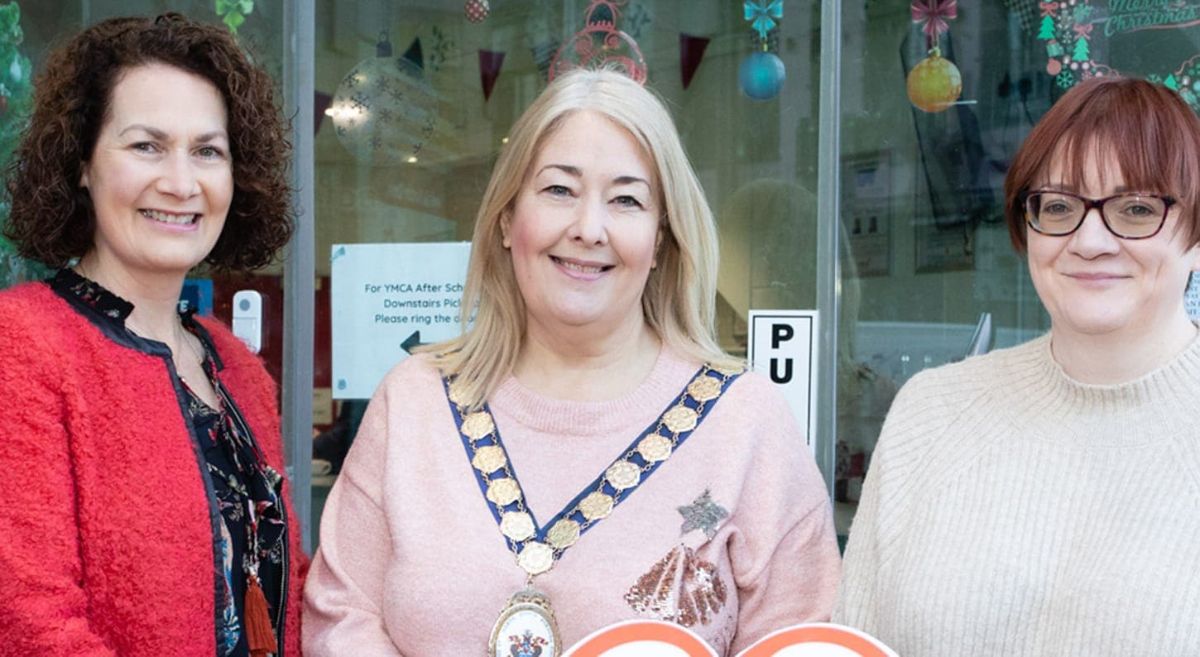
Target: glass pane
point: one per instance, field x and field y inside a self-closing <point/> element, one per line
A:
<point x="927" y="251"/>
<point x="422" y="181"/>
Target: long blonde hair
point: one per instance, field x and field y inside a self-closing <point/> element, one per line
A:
<point x="679" y="300"/>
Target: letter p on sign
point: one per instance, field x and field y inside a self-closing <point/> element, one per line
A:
<point x="783" y="347"/>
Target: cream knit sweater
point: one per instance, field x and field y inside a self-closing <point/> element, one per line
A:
<point x="1010" y="510"/>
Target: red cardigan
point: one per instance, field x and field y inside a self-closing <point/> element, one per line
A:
<point x="106" y="544"/>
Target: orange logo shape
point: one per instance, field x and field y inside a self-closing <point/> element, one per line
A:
<point x="642" y="638"/>
<point x="818" y="640"/>
<point x="647" y="638"/>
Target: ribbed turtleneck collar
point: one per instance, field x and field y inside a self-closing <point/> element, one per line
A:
<point x="1046" y="400"/>
<point x="1175" y="379"/>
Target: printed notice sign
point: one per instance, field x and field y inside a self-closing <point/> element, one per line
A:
<point x="386" y="299"/>
<point x="783" y="347"/>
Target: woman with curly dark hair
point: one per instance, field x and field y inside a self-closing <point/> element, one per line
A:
<point x="144" y="511"/>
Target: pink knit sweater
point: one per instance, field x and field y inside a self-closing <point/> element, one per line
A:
<point x="411" y="561"/>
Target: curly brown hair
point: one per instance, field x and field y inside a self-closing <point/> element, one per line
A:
<point x="51" y="218"/>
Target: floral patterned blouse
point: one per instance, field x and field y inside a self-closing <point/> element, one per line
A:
<point x="249" y="506"/>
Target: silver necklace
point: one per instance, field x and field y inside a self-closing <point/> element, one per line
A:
<point x="180" y="336"/>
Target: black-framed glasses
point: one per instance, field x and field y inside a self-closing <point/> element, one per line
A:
<point x="1130" y="216"/>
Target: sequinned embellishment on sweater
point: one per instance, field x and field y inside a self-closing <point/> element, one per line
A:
<point x="703" y="514"/>
<point x="681" y="588"/>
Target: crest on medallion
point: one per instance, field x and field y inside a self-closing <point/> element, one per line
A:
<point x="526" y="645"/>
<point x="526" y="628"/>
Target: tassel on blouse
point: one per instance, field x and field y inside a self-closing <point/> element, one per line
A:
<point x="259" y="633"/>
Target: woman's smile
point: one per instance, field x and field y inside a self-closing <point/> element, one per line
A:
<point x="583" y="270"/>
<point x="174" y="219"/>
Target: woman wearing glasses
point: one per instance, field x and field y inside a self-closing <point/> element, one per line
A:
<point x="1042" y="500"/>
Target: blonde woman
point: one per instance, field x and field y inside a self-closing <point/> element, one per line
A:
<point x="584" y="453"/>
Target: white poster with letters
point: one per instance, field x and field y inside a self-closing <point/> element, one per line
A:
<point x="783" y="347"/>
<point x="385" y="300"/>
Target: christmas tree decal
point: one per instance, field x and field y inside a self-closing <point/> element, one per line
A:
<point x="1047" y="29"/>
<point x="16" y="95"/>
<point x="1081" y="53"/>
